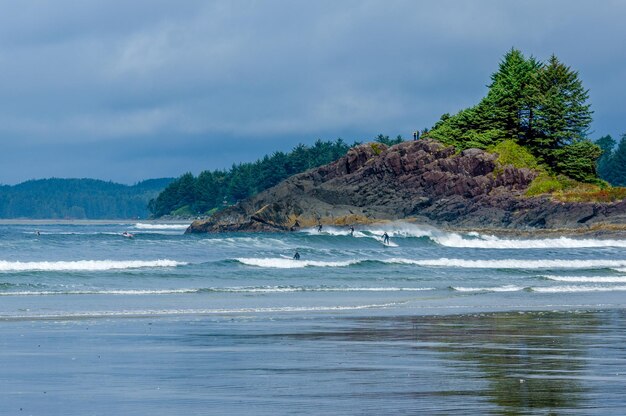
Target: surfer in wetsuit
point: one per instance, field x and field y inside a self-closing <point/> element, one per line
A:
<point x="386" y="238"/>
<point x="319" y="227"/>
<point x="351" y="231"/>
<point x="296" y="256"/>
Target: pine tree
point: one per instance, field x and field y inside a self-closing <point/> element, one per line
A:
<point x="607" y="144"/>
<point x="562" y="116"/>
<point x="511" y="96"/>
<point x="618" y="163"/>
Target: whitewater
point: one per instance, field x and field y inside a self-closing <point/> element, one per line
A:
<point x="93" y="322"/>
<point x="421" y="269"/>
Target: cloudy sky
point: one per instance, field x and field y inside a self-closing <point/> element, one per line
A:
<point x="129" y="90"/>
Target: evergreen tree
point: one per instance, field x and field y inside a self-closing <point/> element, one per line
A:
<point x="512" y="96"/>
<point x="607" y="144"/>
<point x="618" y="165"/>
<point x="563" y="116"/>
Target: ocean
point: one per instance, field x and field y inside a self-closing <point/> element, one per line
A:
<point x="94" y="323"/>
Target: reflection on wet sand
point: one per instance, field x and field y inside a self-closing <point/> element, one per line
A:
<point x="503" y="363"/>
<point x="530" y="360"/>
<point x="493" y="363"/>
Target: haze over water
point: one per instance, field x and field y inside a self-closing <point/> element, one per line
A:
<point x="166" y="323"/>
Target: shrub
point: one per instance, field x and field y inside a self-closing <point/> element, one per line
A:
<point x="511" y="153"/>
<point x="544" y="184"/>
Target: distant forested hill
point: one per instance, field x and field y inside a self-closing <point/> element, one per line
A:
<point x="78" y="199"/>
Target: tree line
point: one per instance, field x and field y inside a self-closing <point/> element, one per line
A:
<point x="541" y="105"/>
<point x="78" y="199"/>
<point x="189" y="195"/>
<point x="612" y="163"/>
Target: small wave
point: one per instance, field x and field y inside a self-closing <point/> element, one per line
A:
<point x="280" y="289"/>
<point x="83" y="265"/>
<point x="587" y="279"/>
<point x="99" y="292"/>
<point x="142" y="226"/>
<point x="492" y="242"/>
<point x="621" y="270"/>
<point x="281" y="263"/>
<point x="578" y="289"/>
<point x="512" y="263"/>
<point x="507" y="288"/>
<point x="251" y="289"/>
<point x="173" y="312"/>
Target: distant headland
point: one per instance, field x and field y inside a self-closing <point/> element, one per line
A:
<point x="518" y="160"/>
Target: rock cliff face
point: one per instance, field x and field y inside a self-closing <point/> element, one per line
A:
<point x="418" y="180"/>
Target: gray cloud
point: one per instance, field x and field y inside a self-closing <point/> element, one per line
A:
<point x="129" y="90"/>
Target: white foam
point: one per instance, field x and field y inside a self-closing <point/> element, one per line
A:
<point x="512" y="263"/>
<point x="588" y="279"/>
<point x="507" y="288"/>
<point x="99" y="292"/>
<point x="492" y="242"/>
<point x="578" y="289"/>
<point x="279" y="289"/>
<point x="84" y="265"/>
<point x="621" y="270"/>
<point x="142" y="226"/>
<point x="173" y="312"/>
<point x="282" y="263"/>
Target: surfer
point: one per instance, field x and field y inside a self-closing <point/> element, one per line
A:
<point x="319" y="227"/>
<point x="386" y="238"/>
<point x="127" y="234"/>
<point x="351" y="231"/>
<point x="296" y="256"/>
<point x="37" y="232"/>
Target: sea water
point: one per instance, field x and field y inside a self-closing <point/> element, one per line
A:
<point x="164" y="323"/>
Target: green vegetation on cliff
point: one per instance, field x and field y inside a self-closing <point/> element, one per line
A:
<point x="542" y="106"/>
<point x="78" y="199"/>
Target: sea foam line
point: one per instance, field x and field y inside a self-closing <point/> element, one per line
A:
<point x="173" y="312"/>
<point x="470" y="240"/>
<point x="578" y="289"/>
<point x="507" y="288"/>
<point x="281" y="263"/>
<point x="143" y="226"/>
<point x="275" y="289"/>
<point x="587" y="279"/>
<point x="84" y="265"/>
<point x="492" y="242"/>
<point x="98" y="292"/>
<point x="285" y="263"/>
<point x="512" y="263"/>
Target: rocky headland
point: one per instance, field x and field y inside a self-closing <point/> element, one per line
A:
<point x="422" y="181"/>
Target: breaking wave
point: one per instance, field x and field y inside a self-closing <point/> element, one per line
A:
<point x="588" y="279"/>
<point x="513" y="263"/>
<point x="143" y="226"/>
<point x="83" y="265"/>
<point x="578" y="289"/>
<point x="251" y="289"/>
<point x="469" y="240"/>
<point x="507" y="288"/>
<point x="492" y="242"/>
<point x="287" y="263"/>
<point x="281" y="263"/>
